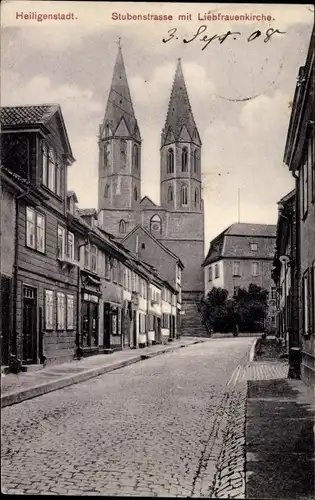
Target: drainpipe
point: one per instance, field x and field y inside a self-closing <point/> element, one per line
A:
<point x="78" y="332"/>
<point x="294" y="340"/>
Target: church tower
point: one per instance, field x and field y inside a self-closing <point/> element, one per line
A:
<point x="180" y="167"/>
<point x="119" y="158"/>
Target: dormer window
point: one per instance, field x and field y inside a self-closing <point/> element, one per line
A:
<point x="51" y="170"/>
<point x="253" y="247"/>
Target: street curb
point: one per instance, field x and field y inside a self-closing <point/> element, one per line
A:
<point x="16" y="397"/>
<point x="252" y="351"/>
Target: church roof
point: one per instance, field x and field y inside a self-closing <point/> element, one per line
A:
<point x="147" y="202"/>
<point x="179" y="117"/>
<point x="119" y="105"/>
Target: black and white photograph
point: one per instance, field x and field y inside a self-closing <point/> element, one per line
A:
<point x="157" y="249"/>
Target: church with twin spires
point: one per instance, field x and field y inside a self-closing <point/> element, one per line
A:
<point x="178" y="221"/>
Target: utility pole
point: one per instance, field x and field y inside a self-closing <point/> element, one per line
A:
<point x="238" y="205"/>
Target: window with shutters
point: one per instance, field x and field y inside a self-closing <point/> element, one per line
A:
<point x="61" y="311"/>
<point x="49" y="310"/>
<point x="70" y="312"/>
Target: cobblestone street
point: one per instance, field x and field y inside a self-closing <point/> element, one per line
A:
<point x="153" y="429"/>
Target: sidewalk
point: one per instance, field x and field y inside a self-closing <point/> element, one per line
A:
<point x="279" y="434"/>
<point x="17" y="388"/>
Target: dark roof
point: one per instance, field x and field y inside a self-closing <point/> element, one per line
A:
<point x="179" y="113"/>
<point x="119" y="104"/>
<point x="38" y="114"/>
<point x="224" y="246"/>
<point x="15" y="176"/>
<point x="27" y="115"/>
<point x="247" y="229"/>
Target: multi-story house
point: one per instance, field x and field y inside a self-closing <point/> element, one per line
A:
<point x="243" y="254"/>
<point x="167" y="264"/>
<point x="283" y="270"/>
<point x="299" y="156"/>
<point x="35" y="146"/>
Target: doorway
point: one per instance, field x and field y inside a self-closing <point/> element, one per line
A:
<point x="89" y="324"/>
<point x="29" y="325"/>
<point x="106" y="327"/>
<point x="134" y="329"/>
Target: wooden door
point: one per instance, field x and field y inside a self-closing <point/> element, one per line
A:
<point x="106" y="326"/>
<point x="29" y="325"/>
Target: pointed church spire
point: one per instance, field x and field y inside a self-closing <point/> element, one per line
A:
<point x="179" y="112"/>
<point x="119" y="104"/>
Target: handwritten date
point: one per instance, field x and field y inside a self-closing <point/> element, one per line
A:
<point x="206" y="40"/>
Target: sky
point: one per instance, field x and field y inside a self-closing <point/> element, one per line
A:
<point x="240" y="91"/>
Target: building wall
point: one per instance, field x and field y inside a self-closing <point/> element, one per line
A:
<point x="263" y="279"/>
<point x="7" y="226"/>
<point x="153" y="254"/>
<point x="215" y="282"/>
<point x="307" y="263"/>
<point x="191" y="253"/>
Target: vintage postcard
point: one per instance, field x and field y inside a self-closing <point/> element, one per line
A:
<point x="157" y="190"/>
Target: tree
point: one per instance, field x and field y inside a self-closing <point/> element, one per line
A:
<point x="246" y="311"/>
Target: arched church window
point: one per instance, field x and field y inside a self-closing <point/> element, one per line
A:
<point x="107" y="130"/>
<point x="123" y="152"/>
<point x="106" y="191"/>
<point x="170" y="194"/>
<point x="184" y="195"/>
<point x="135" y="193"/>
<point x="196" y="197"/>
<point x="184" y="160"/>
<point x="107" y="154"/>
<point x="122" y="226"/>
<point x="196" y="161"/>
<point x="135" y="156"/>
<point x="170" y="161"/>
<point x="155" y="224"/>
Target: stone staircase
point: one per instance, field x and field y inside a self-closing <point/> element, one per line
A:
<point x="191" y="321"/>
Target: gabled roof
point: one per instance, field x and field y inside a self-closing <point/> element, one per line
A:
<point x="167" y="250"/>
<point x="72" y="194"/>
<point x="119" y="104"/>
<point x="287" y="197"/>
<point x="179" y="113"/>
<point x="146" y="201"/>
<point x="36" y="115"/>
